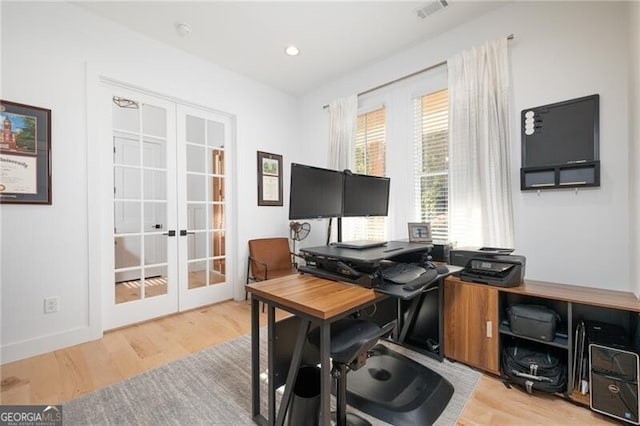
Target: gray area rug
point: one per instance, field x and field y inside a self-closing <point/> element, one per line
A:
<point x="213" y="387"/>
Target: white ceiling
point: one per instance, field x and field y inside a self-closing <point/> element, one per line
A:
<point x="249" y="38"/>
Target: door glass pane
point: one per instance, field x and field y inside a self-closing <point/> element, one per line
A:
<point x="127" y="217"/>
<point x="155" y="216"/>
<point x="217" y="162"/>
<point x="127" y="286"/>
<point x="215" y="134"/>
<point x="218" y="243"/>
<point x="195" y="130"/>
<point x="125" y="119"/>
<point x="155" y="185"/>
<point x="155" y="283"/>
<point x="217" y="271"/>
<point x="196" y="187"/>
<point x="196" y="216"/>
<point x="126" y="151"/>
<point x="197" y="245"/>
<point x="195" y="159"/>
<point x="218" y="216"/>
<point x="197" y="274"/>
<point x="127" y="252"/>
<point x="154" y="120"/>
<point x="127" y="183"/>
<point x="155" y="153"/>
<point x="217" y="189"/>
<point x="155" y="249"/>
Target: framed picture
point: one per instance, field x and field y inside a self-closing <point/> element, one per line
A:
<point x="25" y="154"/>
<point x="420" y="232"/>
<point x="269" y="179"/>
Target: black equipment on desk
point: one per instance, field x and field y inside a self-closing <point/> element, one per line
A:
<point x="461" y="256"/>
<point x="502" y="271"/>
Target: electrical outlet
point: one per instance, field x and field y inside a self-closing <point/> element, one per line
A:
<point x="51" y="304"/>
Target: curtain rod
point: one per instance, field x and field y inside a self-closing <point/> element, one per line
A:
<point x="404" y="77"/>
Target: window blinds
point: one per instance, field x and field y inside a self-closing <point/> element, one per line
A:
<point x="370" y="159"/>
<point x="431" y="115"/>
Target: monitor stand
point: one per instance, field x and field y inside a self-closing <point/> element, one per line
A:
<point x="398" y="390"/>
<point x="360" y="244"/>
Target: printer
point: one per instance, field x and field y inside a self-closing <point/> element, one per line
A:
<point x="488" y="265"/>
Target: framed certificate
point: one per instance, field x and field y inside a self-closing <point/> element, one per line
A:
<point x="25" y="154"/>
<point x="269" y="179"/>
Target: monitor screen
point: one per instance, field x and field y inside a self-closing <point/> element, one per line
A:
<point x="315" y="192"/>
<point x="365" y="195"/>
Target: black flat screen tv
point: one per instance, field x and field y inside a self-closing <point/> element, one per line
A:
<point x="315" y="192"/>
<point x="365" y="195"/>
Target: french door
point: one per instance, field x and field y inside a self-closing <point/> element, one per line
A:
<point x="169" y="208"/>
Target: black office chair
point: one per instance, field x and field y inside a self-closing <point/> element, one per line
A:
<point x="351" y="340"/>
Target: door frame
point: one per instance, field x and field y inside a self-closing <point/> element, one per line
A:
<point x="99" y="196"/>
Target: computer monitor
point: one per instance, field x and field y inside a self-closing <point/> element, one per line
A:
<point x="365" y="195"/>
<point x="315" y="192"/>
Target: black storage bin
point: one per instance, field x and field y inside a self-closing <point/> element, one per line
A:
<point x="534" y="321"/>
<point x="305" y="404"/>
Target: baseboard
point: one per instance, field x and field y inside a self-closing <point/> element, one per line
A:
<point x="43" y="344"/>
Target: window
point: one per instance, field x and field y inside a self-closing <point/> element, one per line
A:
<point x="431" y="113"/>
<point x="369" y="160"/>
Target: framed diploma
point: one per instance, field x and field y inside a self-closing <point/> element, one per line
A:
<point x="25" y="154"/>
<point x="269" y="179"/>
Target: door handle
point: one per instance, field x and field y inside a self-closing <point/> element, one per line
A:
<point x="184" y="232"/>
<point x="171" y="233"/>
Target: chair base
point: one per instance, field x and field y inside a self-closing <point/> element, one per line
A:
<point x="398" y="390"/>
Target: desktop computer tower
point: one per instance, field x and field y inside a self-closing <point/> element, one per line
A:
<point x="614" y="376"/>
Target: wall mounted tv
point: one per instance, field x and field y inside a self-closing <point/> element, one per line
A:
<point x="365" y="195"/>
<point x="315" y="192"/>
<point x="560" y="144"/>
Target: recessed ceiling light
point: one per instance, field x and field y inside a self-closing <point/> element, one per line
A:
<point x="183" y="29"/>
<point x="292" y="51"/>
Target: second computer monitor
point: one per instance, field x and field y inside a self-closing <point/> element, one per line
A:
<point x="365" y="195"/>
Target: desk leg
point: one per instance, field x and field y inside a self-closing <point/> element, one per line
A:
<point x="325" y="377"/>
<point x="255" y="357"/>
<point x="271" y="320"/>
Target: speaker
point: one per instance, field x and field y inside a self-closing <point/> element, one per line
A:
<point x="614" y="377"/>
<point x="440" y="252"/>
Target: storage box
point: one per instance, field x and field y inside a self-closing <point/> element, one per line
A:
<point x="534" y="321"/>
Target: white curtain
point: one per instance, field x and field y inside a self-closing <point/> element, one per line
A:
<point x="480" y="205"/>
<point x="343" y="113"/>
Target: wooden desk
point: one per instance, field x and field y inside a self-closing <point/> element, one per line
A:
<point x="313" y="300"/>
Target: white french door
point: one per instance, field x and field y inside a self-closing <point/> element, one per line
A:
<point x="169" y="206"/>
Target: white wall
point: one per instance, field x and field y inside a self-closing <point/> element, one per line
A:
<point x="561" y="50"/>
<point x="634" y="157"/>
<point x="45" y="50"/>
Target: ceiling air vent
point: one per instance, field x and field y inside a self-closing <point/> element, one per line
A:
<point x="431" y="8"/>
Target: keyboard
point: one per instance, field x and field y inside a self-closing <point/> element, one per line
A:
<point x="402" y="273"/>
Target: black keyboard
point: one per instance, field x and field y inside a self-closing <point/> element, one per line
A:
<point x="402" y="273"/>
<point x="427" y="278"/>
<point x="412" y="276"/>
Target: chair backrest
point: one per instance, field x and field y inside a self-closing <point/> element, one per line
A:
<point x="274" y="252"/>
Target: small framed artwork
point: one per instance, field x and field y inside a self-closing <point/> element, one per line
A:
<point x="420" y="232"/>
<point x="25" y="154"/>
<point x="269" y="179"/>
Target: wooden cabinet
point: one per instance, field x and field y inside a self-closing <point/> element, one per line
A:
<point x="476" y="323"/>
<point x="471" y="324"/>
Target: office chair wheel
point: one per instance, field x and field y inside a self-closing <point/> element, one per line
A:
<point x="352" y="420"/>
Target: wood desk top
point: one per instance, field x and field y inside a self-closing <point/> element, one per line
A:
<point x="314" y="296"/>
<point x="572" y="293"/>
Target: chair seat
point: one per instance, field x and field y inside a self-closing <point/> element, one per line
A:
<point x="277" y="273"/>
<point x="349" y="337"/>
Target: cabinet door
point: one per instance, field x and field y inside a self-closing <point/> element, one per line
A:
<point x="471" y="324"/>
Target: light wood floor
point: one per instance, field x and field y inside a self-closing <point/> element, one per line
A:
<point x="61" y="375"/>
